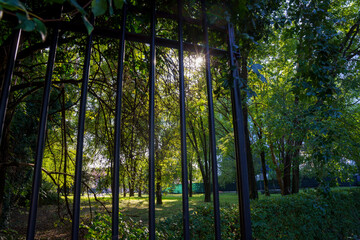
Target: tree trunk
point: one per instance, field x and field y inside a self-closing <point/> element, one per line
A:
<point x="296" y="155"/>
<point x="65" y="149"/>
<point x="140" y="192"/>
<point x="124" y="188"/>
<point x="207" y="183"/>
<point x="287" y="157"/>
<point x="295" y="177"/>
<point x="158" y="186"/>
<point x="131" y="188"/>
<point x="295" y="168"/>
<point x="207" y="188"/>
<point x="251" y="172"/>
<point x="205" y="172"/>
<point x="277" y="169"/>
<point x="263" y="166"/>
<point x="287" y="172"/>
<point x="262" y="154"/>
<point x="190" y="178"/>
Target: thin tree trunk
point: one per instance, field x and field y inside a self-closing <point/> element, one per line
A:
<point x="296" y="155"/>
<point x="124" y="188"/>
<point x="295" y="168"/>
<point x="251" y="172"/>
<point x="158" y="187"/>
<point x="207" y="188"/>
<point x="277" y="169"/>
<point x="262" y="153"/>
<point x="207" y="183"/>
<point x="140" y="183"/>
<point x="190" y="178"/>
<point x="287" y="154"/>
<point x="203" y="170"/>
<point x="140" y="192"/>
<point x="263" y="166"/>
<point x="65" y="150"/>
<point x="287" y="173"/>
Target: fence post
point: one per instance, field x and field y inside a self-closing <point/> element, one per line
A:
<point x="211" y="126"/>
<point x="80" y="139"/>
<point x="240" y="147"/>
<point x="115" y="193"/>
<point x="41" y="137"/>
<point x="5" y="90"/>
<point x="152" y="125"/>
<point x="184" y="173"/>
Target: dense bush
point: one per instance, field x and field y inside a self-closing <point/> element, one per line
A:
<point x="310" y="215"/>
<point x="335" y="215"/>
<point x="128" y="229"/>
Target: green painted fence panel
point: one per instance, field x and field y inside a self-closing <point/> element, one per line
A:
<point x="177" y="188"/>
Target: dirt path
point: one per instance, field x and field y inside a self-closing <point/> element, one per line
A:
<point x="48" y="225"/>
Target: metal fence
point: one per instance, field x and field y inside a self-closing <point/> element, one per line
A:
<point x="241" y="163"/>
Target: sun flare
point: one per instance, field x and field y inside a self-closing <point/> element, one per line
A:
<point x="199" y="60"/>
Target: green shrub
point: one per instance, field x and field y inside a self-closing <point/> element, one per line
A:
<point x="202" y="224"/>
<point x="128" y="229"/>
<point x="335" y="215"/>
<point x="312" y="215"/>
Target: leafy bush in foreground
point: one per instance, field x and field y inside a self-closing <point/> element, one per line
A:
<point x="128" y="229"/>
<point x="308" y="216"/>
<point x="314" y="215"/>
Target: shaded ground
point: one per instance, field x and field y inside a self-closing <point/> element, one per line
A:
<point x="48" y="225"/>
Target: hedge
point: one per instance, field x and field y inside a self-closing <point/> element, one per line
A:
<point x="308" y="215"/>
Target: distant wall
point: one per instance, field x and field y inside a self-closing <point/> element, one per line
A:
<point x="177" y="188"/>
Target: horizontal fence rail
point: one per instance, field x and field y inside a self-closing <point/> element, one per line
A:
<point x="141" y="38"/>
<point x="153" y="41"/>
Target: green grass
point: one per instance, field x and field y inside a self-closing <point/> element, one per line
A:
<point x="137" y="207"/>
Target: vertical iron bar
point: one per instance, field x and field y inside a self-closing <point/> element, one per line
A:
<point x="5" y="90"/>
<point x="184" y="173"/>
<point x="240" y="145"/>
<point x="80" y="140"/>
<point x="115" y="199"/>
<point x="211" y="125"/>
<point x="41" y="137"/>
<point x="152" y="125"/>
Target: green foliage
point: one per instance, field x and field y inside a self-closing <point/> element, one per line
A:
<point x="308" y="215"/>
<point x="202" y="224"/>
<point x="128" y="229"/>
<point x="31" y="21"/>
<point x="99" y="7"/>
<point x="26" y="22"/>
<point x="48" y="194"/>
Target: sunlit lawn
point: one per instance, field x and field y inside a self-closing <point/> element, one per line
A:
<point x="137" y="207"/>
